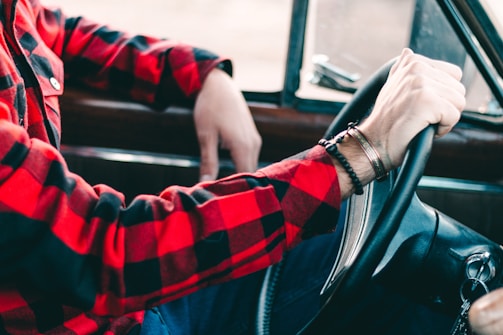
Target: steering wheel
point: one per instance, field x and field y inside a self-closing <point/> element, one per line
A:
<point x="363" y="246"/>
<point x="438" y="257"/>
<point x="362" y="252"/>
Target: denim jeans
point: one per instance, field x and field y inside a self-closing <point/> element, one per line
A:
<point x="230" y="308"/>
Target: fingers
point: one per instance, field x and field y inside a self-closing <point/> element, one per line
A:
<point x="451" y="103"/>
<point x="245" y="153"/>
<point x="444" y="94"/>
<point x="209" y="164"/>
<point x="408" y="57"/>
<point x="486" y="314"/>
<point x="449" y="119"/>
<point x="222" y="118"/>
<point x="418" y="92"/>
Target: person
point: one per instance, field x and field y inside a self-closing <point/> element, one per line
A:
<point x="485" y="314"/>
<point x="75" y="259"/>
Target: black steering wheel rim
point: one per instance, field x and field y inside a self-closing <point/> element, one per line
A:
<point x="395" y="206"/>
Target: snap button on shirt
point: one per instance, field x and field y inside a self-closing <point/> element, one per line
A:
<point x="55" y="83"/>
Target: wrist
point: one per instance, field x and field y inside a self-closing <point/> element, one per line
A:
<point x="356" y="160"/>
<point x="353" y="169"/>
<point x="370" y="151"/>
<point x="350" y="149"/>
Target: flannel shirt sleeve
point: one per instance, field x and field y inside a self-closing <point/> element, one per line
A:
<point x="155" y="71"/>
<point x="81" y="244"/>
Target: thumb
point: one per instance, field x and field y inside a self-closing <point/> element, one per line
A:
<point x="208" y="169"/>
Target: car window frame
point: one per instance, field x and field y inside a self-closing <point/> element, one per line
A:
<point x="466" y="17"/>
<point x="287" y="97"/>
<point x="469" y="19"/>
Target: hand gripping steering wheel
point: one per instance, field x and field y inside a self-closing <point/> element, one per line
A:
<point x="364" y="242"/>
<point x="363" y="248"/>
<point x="389" y="234"/>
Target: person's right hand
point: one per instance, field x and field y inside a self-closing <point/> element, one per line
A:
<point x="419" y="92"/>
<point x="486" y="314"/>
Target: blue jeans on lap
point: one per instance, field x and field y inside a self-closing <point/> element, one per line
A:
<point x="230" y="308"/>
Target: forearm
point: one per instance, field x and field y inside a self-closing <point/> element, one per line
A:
<point x="185" y="239"/>
<point x="146" y="69"/>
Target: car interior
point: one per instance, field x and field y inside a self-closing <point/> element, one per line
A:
<point x="329" y="56"/>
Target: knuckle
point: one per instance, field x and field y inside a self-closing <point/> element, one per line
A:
<point x="415" y="66"/>
<point x="257" y="141"/>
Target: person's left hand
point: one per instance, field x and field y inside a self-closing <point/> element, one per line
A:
<point x="222" y="119"/>
<point x="486" y="314"/>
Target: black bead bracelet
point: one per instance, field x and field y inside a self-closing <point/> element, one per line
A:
<point x="332" y="150"/>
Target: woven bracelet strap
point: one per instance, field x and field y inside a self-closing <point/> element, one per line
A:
<point x="370" y="151"/>
<point x="333" y="151"/>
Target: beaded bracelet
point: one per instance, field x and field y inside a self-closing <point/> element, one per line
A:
<point x="331" y="148"/>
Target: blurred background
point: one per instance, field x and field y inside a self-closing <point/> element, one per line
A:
<point x="356" y="35"/>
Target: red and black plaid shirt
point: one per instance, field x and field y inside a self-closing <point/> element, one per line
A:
<point x="74" y="259"/>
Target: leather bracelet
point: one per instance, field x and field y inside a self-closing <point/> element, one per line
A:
<point x="370" y="151"/>
<point x="333" y="151"/>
